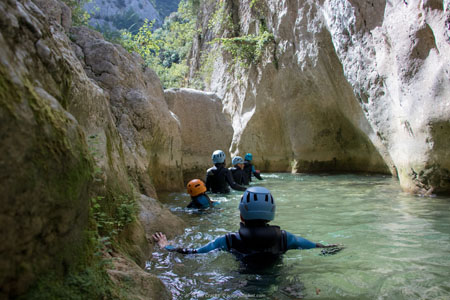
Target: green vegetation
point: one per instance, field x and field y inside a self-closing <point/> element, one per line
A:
<point x="91" y="282"/>
<point x="85" y="273"/>
<point x="246" y="49"/>
<point x="165" y="49"/>
<point x="110" y="220"/>
<point x="79" y="15"/>
<point x="112" y="212"/>
<point x="221" y="21"/>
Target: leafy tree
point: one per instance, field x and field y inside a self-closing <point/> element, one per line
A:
<point x="79" y="15"/>
<point x="166" y="49"/>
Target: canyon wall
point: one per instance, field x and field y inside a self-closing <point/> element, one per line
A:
<point x="204" y="129"/>
<point x="339" y="85"/>
<point x="86" y="135"/>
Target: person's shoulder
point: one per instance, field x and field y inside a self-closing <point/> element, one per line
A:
<point x="211" y="169"/>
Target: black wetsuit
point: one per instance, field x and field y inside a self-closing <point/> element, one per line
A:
<point x="257" y="239"/>
<point x="239" y="176"/>
<point x="260" y="245"/>
<point x="249" y="170"/>
<point x="218" y="178"/>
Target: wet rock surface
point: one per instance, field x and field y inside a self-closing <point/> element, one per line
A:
<point x="70" y="132"/>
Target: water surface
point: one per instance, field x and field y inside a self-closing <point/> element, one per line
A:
<point x="397" y="245"/>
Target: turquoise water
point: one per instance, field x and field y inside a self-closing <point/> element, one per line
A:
<point x="397" y="245"/>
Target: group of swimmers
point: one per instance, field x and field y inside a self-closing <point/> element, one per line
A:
<point x="255" y="238"/>
<point x="219" y="179"/>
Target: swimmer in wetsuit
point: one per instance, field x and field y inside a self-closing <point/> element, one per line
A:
<point x="199" y="200"/>
<point x="219" y="178"/>
<point x="237" y="170"/>
<point x="249" y="169"/>
<point x="256" y="240"/>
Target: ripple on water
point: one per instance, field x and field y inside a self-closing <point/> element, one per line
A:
<point x="397" y="245"/>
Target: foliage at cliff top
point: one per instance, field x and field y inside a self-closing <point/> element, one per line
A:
<point x="165" y="50"/>
<point x="79" y="15"/>
<point x="246" y="49"/>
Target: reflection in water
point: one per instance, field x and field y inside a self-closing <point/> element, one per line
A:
<point x="397" y="245"/>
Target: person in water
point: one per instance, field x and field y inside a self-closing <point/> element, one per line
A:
<point x="237" y="170"/>
<point x="249" y="169"/>
<point x="255" y="238"/>
<point x="219" y="178"/>
<point x="197" y="189"/>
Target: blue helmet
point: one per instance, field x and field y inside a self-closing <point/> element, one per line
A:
<point x="218" y="157"/>
<point x="237" y="160"/>
<point x="248" y="156"/>
<point x="257" y="204"/>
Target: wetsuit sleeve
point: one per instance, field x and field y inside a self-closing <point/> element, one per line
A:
<point x="219" y="243"/>
<point x="256" y="174"/>
<point x="297" y="242"/>
<point x="208" y="181"/>
<point x="210" y="202"/>
<point x="233" y="184"/>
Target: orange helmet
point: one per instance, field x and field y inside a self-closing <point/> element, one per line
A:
<point x="196" y="187"/>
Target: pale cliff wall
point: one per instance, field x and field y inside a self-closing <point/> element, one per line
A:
<point x="344" y="86"/>
<point x="204" y="129"/>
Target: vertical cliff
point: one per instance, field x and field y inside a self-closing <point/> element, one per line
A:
<point x="334" y="85"/>
<point x="204" y="129"/>
<point x="86" y="140"/>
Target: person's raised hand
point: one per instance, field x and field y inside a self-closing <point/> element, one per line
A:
<point x="161" y="239"/>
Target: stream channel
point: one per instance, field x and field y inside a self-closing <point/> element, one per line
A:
<point x="397" y="246"/>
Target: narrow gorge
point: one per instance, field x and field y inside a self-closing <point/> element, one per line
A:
<point x="89" y="137"/>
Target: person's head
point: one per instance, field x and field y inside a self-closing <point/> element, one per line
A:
<point x="196" y="187"/>
<point x="218" y="157"/>
<point x="257" y="205"/>
<point x="248" y="157"/>
<point x="238" y="161"/>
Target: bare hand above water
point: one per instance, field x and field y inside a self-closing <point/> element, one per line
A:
<point x="161" y="239"/>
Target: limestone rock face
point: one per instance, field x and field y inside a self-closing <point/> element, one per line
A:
<point x="204" y="128"/>
<point x="65" y="137"/>
<point x="45" y="164"/>
<point x="344" y="86"/>
<point x="57" y="11"/>
<point x="145" y="285"/>
<point x="149" y="130"/>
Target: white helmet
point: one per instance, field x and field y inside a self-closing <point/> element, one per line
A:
<point x="237" y="160"/>
<point x="218" y="157"/>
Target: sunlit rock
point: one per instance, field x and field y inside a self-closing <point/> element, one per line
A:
<point x="344" y="86"/>
<point x="204" y="129"/>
